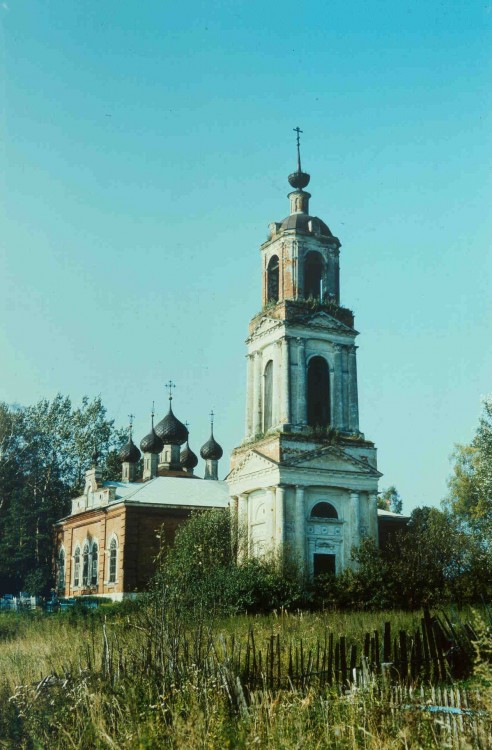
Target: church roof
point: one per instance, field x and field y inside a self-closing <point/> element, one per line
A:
<point x="300" y="221"/>
<point x="173" y="491"/>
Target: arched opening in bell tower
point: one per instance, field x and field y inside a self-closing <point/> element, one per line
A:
<point x="313" y="275"/>
<point x="272" y="279"/>
<point x="268" y="396"/>
<point x="318" y="392"/>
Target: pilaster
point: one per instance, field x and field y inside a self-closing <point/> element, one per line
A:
<point x="337" y="401"/>
<point x="249" y="394"/>
<point x="300" y="532"/>
<point x="301" y="382"/>
<point x="353" y="411"/>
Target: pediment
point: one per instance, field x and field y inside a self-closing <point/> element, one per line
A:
<point x="252" y="463"/>
<point x="326" y="321"/>
<point x="265" y="325"/>
<point x="331" y="458"/>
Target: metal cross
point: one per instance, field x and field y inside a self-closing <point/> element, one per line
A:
<point x="131" y="417"/>
<point x="298" y="131"/>
<point x="153" y="413"/>
<point x="212" y="415"/>
<point x="170" y="387"/>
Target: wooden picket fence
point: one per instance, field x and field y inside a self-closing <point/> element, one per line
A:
<point x="436" y="652"/>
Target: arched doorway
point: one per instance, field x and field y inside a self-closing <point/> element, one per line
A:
<point x="268" y="396"/>
<point x="318" y="392"/>
<point x="313" y="274"/>
<point x="272" y="279"/>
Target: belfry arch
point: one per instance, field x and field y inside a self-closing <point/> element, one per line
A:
<point x="273" y="279"/>
<point x="313" y="275"/>
<point x="318" y="393"/>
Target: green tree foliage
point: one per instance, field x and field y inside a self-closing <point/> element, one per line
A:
<point x="199" y="571"/>
<point x="433" y="562"/>
<point x="390" y="499"/>
<point x="470" y="486"/>
<point x="44" y="450"/>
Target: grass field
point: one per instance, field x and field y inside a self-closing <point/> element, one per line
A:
<point x="143" y="678"/>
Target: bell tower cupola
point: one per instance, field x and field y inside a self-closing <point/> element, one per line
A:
<point x="301" y="256"/>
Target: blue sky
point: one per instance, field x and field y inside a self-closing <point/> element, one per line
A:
<point x="145" y="148"/>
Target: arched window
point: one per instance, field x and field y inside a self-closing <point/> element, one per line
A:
<point x="85" y="565"/>
<point x="318" y="392"/>
<point x="113" y="553"/>
<point x="94" y="559"/>
<point x="324" y="510"/>
<point x="76" y="566"/>
<point x="61" y="569"/>
<point x="272" y="279"/>
<point x="313" y="274"/>
<point x="268" y="396"/>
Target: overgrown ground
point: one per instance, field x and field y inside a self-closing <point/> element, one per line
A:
<point x="143" y="678"/>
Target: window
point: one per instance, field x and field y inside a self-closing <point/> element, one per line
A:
<point x="324" y="510"/>
<point x="85" y="565"/>
<point x="272" y="279"/>
<point x="324" y="564"/>
<point x="94" y="560"/>
<point x="76" y="566"/>
<point x="268" y="396"/>
<point x="318" y="392"/>
<point x="313" y="275"/>
<point x="61" y="569"/>
<point x="113" y="551"/>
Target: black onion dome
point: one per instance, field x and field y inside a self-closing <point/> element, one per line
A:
<point x="129" y="453"/>
<point x="187" y="458"/>
<point x="170" y="430"/>
<point x="299" y="179"/>
<point x="301" y="222"/>
<point x="211" y="449"/>
<point x="151" y="443"/>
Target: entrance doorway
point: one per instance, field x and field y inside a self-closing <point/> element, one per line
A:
<point x="324" y="564"/>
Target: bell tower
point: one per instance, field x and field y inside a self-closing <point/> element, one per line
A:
<point x="303" y="451"/>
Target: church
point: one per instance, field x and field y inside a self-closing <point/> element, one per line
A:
<point x="303" y="483"/>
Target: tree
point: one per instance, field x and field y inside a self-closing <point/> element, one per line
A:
<point x="389" y="499"/>
<point x="470" y="486"/>
<point x="44" y="449"/>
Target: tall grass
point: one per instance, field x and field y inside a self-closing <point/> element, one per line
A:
<point x="148" y="679"/>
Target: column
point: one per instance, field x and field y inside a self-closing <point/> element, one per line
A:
<point x="276" y="384"/>
<point x="279" y="518"/>
<point x="353" y="395"/>
<point x="300" y="531"/>
<point x="270" y="521"/>
<point x="249" y="395"/>
<point x="345" y="388"/>
<point x="301" y="394"/>
<point x="234" y="511"/>
<point x="242" y="527"/>
<point x="285" y="383"/>
<point x="257" y="416"/>
<point x="337" y="407"/>
<point x="354" y="519"/>
<point x="373" y="517"/>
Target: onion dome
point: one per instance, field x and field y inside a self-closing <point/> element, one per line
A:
<point x="129" y="453"/>
<point x="170" y="430"/>
<point x="211" y="450"/>
<point x="299" y="180"/>
<point x="187" y="458"/>
<point x="151" y="443"/>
